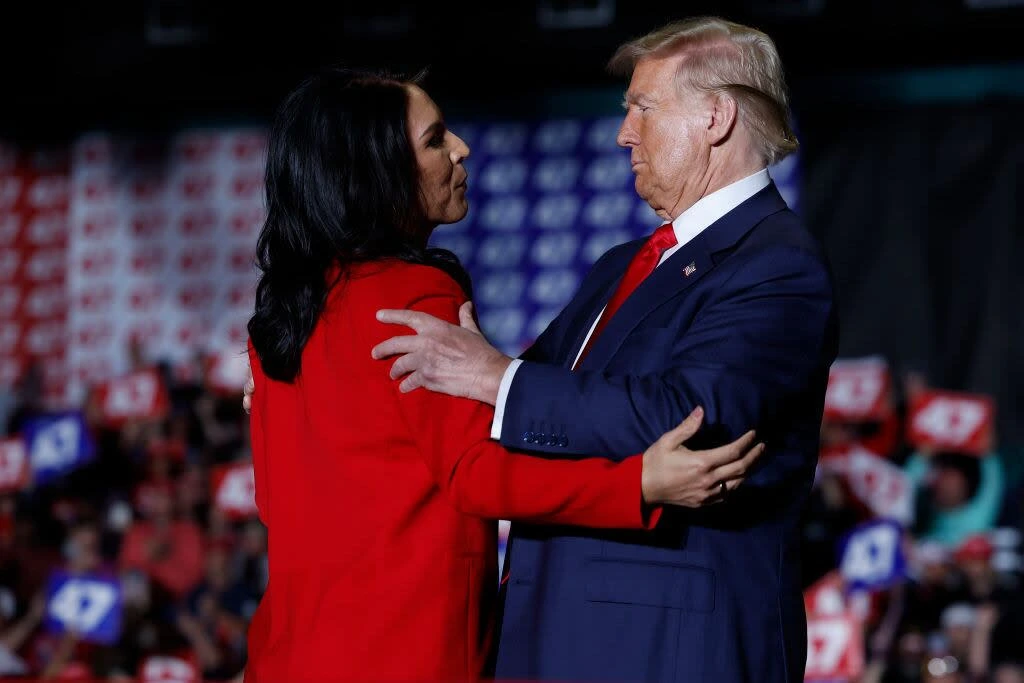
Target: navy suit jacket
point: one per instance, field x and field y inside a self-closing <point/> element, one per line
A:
<point x="740" y="321"/>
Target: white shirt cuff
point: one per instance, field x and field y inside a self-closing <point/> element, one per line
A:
<point x="499" y="405"/>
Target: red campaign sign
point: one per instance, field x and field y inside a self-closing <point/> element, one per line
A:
<point x="832" y="459"/>
<point x="952" y="421"/>
<point x="835" y="649"/>
<point x="826" y="597"/>
<point x="234" y="488"/>
<point x="881" y="485"/>
<point x="829" y="597"/>
<point x="166" y="669"/>
<point x="858" y="390"/>
<point x="14" y="468"/>
<point x="137" y="396"/>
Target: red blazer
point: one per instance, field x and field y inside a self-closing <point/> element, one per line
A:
<point x="381" y="506"/>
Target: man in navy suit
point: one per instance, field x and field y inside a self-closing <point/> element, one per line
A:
<point x="728" y="307"/>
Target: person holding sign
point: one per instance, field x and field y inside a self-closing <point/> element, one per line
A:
<point x="381" y="505"/>
<point x="959" y="479"/>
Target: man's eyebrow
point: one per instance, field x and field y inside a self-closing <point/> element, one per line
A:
<point x="639" y="97"/>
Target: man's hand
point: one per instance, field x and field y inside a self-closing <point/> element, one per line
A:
<point x="675" y="475"/>
<point x="450" y="359"/>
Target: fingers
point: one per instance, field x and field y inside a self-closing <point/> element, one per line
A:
<point x="719" y="494"/>
<point x="731" y="452"/>
<point x="410" y="383"/>
<point x="395" y="346"/>
<point x="739" y="468"/>
<point x="404" y="365"/>
<point x="417" y="320"/>
<point x="466" y="317"/>
<point x="686" y="429"/>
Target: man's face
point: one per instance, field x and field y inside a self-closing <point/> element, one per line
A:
<point x="665" y="129"/>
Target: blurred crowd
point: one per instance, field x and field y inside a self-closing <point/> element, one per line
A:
<point x="955" y="612"/>
<point x="142" y="512"/>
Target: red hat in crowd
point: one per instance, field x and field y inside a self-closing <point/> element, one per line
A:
<point x="976" y="547"/>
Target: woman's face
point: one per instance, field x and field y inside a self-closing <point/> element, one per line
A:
<point x="439" y="155"/>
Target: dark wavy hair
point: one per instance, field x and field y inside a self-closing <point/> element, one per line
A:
<point x="342" y="187"/>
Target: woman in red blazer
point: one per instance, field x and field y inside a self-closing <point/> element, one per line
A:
<point x="380" y="506"/>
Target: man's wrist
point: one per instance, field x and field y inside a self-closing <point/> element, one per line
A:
<point x="491" y="383"/>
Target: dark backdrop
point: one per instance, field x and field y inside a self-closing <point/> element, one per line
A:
<point x="919" y="207"/>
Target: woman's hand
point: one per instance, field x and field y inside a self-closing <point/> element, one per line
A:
<point x="675" y="475"/>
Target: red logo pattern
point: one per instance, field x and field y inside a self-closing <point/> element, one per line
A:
<point x="126" y="239"/>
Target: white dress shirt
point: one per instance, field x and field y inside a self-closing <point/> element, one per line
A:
<point x="687" y="225"/>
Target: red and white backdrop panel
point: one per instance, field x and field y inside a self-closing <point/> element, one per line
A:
<point x="33" y="244"/>
<point x="162" y="237"/>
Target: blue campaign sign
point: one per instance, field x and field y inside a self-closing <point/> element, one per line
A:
<point x="57" y="443"/>
<point x="88" y="605"/>
<point x="547" y="198"/>
<point x="872" y="556"/>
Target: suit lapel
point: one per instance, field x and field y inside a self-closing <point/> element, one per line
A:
<point x="596" y="301"/>
<point x="667" y="280"/>
<point x="680" y="272"/>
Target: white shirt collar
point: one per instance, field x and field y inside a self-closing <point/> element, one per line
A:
<point x="709" y="209"/>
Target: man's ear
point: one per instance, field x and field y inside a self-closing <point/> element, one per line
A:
<point x="724" y="112"/>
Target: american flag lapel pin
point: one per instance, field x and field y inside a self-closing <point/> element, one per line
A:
<point x="690" y="269"/>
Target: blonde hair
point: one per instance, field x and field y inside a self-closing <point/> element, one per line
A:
<point x="725" y="57"/>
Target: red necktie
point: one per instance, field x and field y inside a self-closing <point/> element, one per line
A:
<point x="642" y="265"/>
